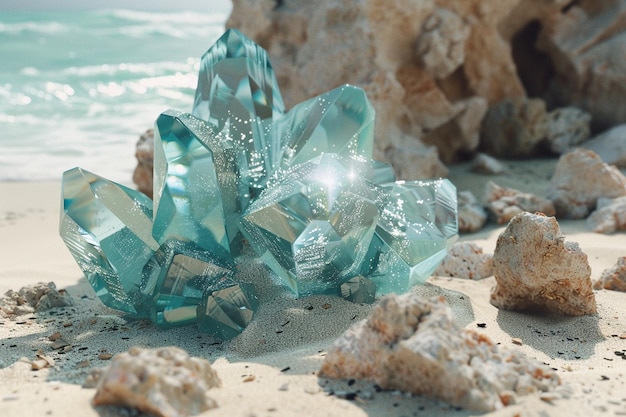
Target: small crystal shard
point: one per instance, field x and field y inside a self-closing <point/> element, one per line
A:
<point x="176" y="278"/>
<point x="226" y="312"/>
<point x="417" y="226"/>
<point x="314" y="227"/>
<point x="237" y="92"/>
<point x="358" y="290"/>
<point x="107" y="228"/>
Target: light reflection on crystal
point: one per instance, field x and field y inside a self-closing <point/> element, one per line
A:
<point x="225" y="312"/>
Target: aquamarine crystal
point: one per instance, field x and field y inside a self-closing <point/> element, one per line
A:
<point x="417" y="225"/>
<point x="316" y="224"/>
<point x="301" y="188"/>
<point x="227" y="309"/>
<point x="108" y="229"/>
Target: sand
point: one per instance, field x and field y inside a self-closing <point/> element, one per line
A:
<point x="283" y="348"/>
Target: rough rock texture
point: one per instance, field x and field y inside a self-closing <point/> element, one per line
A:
<point x="485" y="164"/>
<point x="33" y="298"/>
<point x="505" y="203"/>
<point x="580" y="178"/>
<point x="566" y="127"/>
<point x="432" y="67"/>
<point x="413" y="344"/>
<point x="166" y="382"/>
<point x="144" y="153"/>
<point x="586" y="45"/>
<point x="613" y="278"/>
<point x="610" y="146"/>
<point x="536" y="270"/>
<point x="466" y="260"/>
<point x="471" y="214"/>
<point x="610" y="215"/>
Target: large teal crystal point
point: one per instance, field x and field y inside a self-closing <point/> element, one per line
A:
<point x="107" y="228"/>
<point x="237" y="92"/>
<point x="316" y="223"/>
<point x="301" y="188"/>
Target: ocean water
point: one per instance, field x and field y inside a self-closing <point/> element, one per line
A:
<point x="77" y="88"/>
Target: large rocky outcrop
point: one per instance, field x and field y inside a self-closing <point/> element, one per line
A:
<point x="432" y="68"/>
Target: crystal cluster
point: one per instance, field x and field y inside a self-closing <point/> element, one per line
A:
<point x="300" y="187"/>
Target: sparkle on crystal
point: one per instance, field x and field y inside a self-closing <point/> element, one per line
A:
<point x="301" y="187"/>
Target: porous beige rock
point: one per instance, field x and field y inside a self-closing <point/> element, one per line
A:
<point x="609" y="216"/>
<point x="471" y="214"/>
<point x="580" y="178"/>
<point x="413" y="344"/>
<point x="485" y="164"/>
<point x="610" y="146"/>
<point x="33" y="298"/>
<point x="566" y="127"/>
<point x="144" y="152"/>
<point x="466" y="260"/>
<point x="414" y="162"/>
<point x="537" y="270"/>
<point x="165" y="382"/>
<point x="514" y="128"/>
<point x="505" y="203"/>
<point x="613" y="278"/>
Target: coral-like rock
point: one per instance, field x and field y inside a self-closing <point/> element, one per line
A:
<point x="609" y="216"/>
<point x="166" y="382"/>
<point x="33" y="298"/>
<point x="485" y="164"/>
<point x="613" y="278"/>
<point x="415" y="162"/>
<point x="505" y="203"/>
<point x="566" y="127"/>
<point x="471" y="214"/>
<point x="142" y="176"/>
<point x="610" y="146"/>
<point x="466" y="260"/>
<point x="579" y="179"/>
<point x="514" y="128"/>
<point x="413" y="344"/>
<point x="536" y="270"/>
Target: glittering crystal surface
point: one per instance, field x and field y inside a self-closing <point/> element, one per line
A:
<point x="237" y="92"/>
<point x="175" y="280"/>
<point x="340" y="122"/>
<point x="224" y="312"/>
<point x="416" y="227"/>
<point x="107" y="228"/>
<point x="315" y="224"/>
<point x="359" y="290"/>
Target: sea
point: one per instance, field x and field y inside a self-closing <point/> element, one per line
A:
<point x="78" y="87"/>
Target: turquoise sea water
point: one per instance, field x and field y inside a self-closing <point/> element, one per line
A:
<point x="78" y="87"/>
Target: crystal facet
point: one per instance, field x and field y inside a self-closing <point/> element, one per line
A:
<point x="225" y="312"/>
<point x="417" y="226"/>
<point x="300" y="187"/>
<point x="107" y="228"/>
<point x="316" y="224"/>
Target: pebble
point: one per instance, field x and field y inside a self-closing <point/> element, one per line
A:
<point x="54" y="337"/>
<point x="517" y="341"/>
<point x="58" y="344"/>
<point x="105" y="356"/>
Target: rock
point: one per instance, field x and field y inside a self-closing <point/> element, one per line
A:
<point x="471" y="214"/>
<point x="416" y="162"/>
<point x="565" y="128"/>
<point x="505" y="203"/>
<point x="33" y="298"/>
<point x="144" y="153"/>
<point x="610" y="146"/>
<point x="466" y="260"/>
<point x="586" y="44"/>
<point x="536" y="270"/>
<point x="609" y="216"/>
<point x="613" y="278"/>
<point x="412" y="344"/>
<point x="514" y="128"/>
<point x="580" y="178"/>
<point x="485" y="164"/>
<point x="166" y="382"/>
